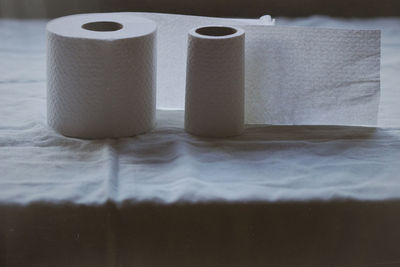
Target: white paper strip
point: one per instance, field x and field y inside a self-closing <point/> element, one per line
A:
<point x="294" y="75"/>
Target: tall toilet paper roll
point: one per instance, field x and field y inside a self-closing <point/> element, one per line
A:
<point x="214" y="104"/>
<point x="101" y="75"/>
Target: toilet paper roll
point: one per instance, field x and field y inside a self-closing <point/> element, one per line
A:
<point x="214" y="103"/>
<point x="101" y="75"/>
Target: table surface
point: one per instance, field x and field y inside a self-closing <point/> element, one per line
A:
<point x="267" y="163"/>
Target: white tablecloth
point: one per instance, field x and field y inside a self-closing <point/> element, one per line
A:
<point x="284" y="195"/>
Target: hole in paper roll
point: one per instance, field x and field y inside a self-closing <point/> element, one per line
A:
<point x="102" y="26"/>
<point x="216" y="31"/>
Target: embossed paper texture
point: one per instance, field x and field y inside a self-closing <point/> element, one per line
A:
<point x="305" y="75"/>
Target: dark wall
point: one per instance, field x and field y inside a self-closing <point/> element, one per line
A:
<point x="223" y="8"/>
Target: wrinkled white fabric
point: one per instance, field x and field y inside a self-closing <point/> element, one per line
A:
<point x="269" y="163"/>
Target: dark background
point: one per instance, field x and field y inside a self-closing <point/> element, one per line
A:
<point x="223" y="8"/>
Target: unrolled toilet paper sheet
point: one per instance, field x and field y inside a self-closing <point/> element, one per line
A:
<point x="294" y="75"/>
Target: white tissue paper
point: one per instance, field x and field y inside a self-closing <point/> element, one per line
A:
<point x="101" y="75"/>
<point x="214" y="105"/>
<point x="294" y="75"/>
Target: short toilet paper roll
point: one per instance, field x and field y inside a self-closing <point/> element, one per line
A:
<point x="214" y="104"/>
<point x="101" y="75"/>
